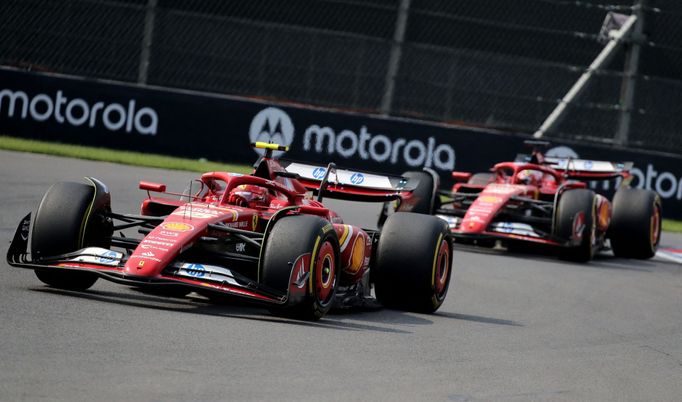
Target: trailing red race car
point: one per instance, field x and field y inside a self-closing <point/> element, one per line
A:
<point x="260" y="237"/>
<point x="547" y="201"/>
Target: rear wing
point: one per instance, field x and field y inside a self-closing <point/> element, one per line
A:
<point x="589" y="169"/>
<point x="582" y="169"/>
<point x="348" y="184"/>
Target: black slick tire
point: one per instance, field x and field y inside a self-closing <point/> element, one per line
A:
<point x="572" y="205"/>
<point x="413" y="263"/>
<point x="62" y="224"/>
<point x="635" y="228"/>
<point x="291" y="238"/>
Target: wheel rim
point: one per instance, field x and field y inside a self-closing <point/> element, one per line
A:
<point x="325" y="273"/>
<point x="442" y="268"/>
<point x="655" y="226"/>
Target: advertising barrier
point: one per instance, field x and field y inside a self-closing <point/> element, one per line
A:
<point x="217" y="127"/>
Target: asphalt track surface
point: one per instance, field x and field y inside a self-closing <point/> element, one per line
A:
<point x="515" y="327"/>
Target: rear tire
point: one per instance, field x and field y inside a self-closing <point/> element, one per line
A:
<point x="290" y="238"/>
<point x="413" y="263"/>
<point x="635" y="229"/>
<point x="573" y="204"/>
<point x="65" y="222"/>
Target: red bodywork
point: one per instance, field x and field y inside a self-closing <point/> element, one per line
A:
<point x="518" y="200"/>
<point x="224" y="207"/>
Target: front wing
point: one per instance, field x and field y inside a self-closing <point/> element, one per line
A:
<point x="108" y="264"/>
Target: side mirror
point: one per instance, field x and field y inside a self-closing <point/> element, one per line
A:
<point x="149" y="186"/>
<point x="461" y="176"/>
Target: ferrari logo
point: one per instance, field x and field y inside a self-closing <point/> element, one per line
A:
<point x="254" y="222"/>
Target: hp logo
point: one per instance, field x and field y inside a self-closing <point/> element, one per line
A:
<point x="357" y="178"/>
<point x="319" y="172"/>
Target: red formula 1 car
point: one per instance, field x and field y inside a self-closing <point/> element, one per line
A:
<point x="260" y="237"/>
<point x="546" y="201"/>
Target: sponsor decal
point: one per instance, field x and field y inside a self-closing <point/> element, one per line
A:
<point x="254" y="222"/>
<point x="301" y="275"/>
<point x="328" y="227"/>
<point x="341" y="176"/>
<point x="521" y="229"/>
<point x="149" y="247"/>
<point x="271" y="125"/>
<point x="192" y="211"/>
<point x="167" y="233"/>
<point x="578" y="226"/>
<point x="195" y="270"/>
<point x="177" y="226"/>
<point x="378" y="147"/>
<point x="151" y="240"/>
<point x="108" y="258"/>
<point x="98" y="255"/>
<point x="505" y="227"/>
<point x="240" y="247"/>
<point x="148" y="254"/>
<point x="501" y="188"/>
<point x="319" y="172"/>
<point x="666" y="184"/>
<point x="146" y="258"/>
<point x="357" y="178"/>
<point x="237" y="225"/>
<point x="490" y="199"/>
<point x="274" y="125"/>
<point x="78" y="112"/>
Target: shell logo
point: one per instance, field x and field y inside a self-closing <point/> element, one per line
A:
<point x="490" y="199"/>
<point x="177" y="226"/>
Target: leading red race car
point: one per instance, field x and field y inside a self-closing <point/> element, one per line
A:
<point x="261" y="237"/>
<point x="548" y="201"/>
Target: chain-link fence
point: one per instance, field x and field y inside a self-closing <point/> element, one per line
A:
<point x="494" y="63"/>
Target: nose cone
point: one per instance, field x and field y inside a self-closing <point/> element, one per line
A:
<point x="471" y="226"/>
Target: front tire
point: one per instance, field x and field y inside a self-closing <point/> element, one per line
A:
<point x="66" y="221"/>
<point x="635" y="229"/>
<point x="575" y="216"/>
<point x="413" y="263"/>
<point x="291" y="239"/>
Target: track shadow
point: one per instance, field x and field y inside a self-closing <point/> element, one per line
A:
<point x="478" y="318"/>
<point x="549" y="255"/>
<point x="197" y="305"/>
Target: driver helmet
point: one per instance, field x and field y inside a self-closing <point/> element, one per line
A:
<point x="247" y="195"/>
<point x="529" y="176"/>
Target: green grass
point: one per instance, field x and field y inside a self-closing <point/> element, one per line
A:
<point x="123" y="157"/>
<point x="672" y="226"/>
<point x="157" y="161"/>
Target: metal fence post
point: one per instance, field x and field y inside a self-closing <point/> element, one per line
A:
<point x="145" y="51"/>
<point x="632" y="59"/>
<point x="609" y="51"/>
<point x="394" y="58"/>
